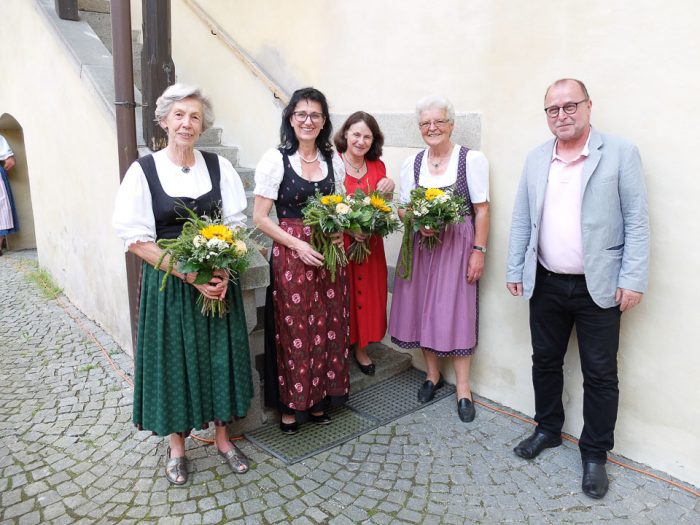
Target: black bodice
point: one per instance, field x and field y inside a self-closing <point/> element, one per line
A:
<point x="294" y="190"/>
<point x="167" y="210"/>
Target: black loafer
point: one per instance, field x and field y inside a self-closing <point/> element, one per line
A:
<point x="289" y="428"/>
<point x="321" y="419"/>
<point x="595" y="480"/>
<point x="368" y="370"/>
<point x="466" y="410"/>
<point x="531" y="447"/>
<point x="427" y="390"/>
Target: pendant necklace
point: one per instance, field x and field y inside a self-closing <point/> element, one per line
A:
<point x="356" y="168"/>
<point x="186" y="169"/>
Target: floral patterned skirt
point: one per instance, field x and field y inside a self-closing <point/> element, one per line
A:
<point x="311" y="330"/>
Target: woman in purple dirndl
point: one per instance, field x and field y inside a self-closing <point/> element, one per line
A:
<point x="437" y="308"/>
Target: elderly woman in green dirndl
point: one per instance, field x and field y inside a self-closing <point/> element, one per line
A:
<point x="191" y="369"/>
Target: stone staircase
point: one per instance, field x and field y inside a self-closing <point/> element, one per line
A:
<point x="388" y="362"/>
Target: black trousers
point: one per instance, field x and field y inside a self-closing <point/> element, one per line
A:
<point x="558" y="303"/>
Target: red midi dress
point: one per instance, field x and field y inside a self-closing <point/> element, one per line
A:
<point x="368" y="280"/>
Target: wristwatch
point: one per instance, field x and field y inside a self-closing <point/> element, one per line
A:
<point x="479" y="249"/>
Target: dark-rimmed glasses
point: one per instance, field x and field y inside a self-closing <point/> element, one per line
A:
<point x="569" y="108"/>
<point x="301" y="116"/>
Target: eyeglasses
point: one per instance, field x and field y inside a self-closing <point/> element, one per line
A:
<point x="301" y="116"/>
<point x="569" y="108"/>
<point x="437" y="123"/>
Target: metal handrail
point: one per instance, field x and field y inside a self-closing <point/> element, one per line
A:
<point x="219" y="32"/>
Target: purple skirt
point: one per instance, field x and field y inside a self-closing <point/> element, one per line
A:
<point x="437" y="309"/>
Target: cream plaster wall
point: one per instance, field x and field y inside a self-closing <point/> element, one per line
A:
<point x="639" y="60"/>
<point x="71" y="159"/>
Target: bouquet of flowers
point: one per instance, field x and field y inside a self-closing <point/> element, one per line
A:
<point x="206" y="244"/>
<point x="372" y="215"/>
<point x="432" y="209"/>
<point x="327" y="214"/>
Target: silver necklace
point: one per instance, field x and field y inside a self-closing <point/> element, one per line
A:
<point x="356" y="168"/>
<point x="309" y="161"/>
<point x="186" y="169"/>
<point x="436" y="164"/>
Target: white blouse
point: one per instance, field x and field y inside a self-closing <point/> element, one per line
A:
<point x="5" y="150"/>
<point x="477" y="175"/>
<point x="270" y="171"/>
<point x="133" y="212"/>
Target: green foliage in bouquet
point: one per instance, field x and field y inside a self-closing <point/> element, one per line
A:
<point x="206" y="244"/>
<point x="327" y="214"/>
<point x="372" y="215"/>
<point x="432" y="209"/>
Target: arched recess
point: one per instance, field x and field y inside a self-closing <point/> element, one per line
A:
<point x="19" y="177"/>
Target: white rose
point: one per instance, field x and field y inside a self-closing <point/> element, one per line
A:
<point x="240" y="246"/>
<point x="366" y="200"/>
<point x="199" y="241"/>
<point x="342" y="208"/>
<point x="216" y="244"/>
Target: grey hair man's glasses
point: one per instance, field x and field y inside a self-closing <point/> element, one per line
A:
<point x="569" y="108"/>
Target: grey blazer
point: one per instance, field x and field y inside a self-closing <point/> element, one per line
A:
<point x="614" y="219"/>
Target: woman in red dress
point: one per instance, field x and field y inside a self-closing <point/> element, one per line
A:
<point x="359" y="142"/>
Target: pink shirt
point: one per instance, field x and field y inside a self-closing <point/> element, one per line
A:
<point x="560" y="244"/>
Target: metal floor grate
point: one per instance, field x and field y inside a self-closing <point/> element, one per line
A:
<point x="365" y="411"/>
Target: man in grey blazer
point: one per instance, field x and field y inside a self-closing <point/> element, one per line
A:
<point x="579" y="251"/>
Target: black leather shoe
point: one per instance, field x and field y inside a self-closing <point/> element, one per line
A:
<point x="595" y="480"/>
<point x="368" y="370"/>
<point x="289" y="428"/>
<point x="321" y="419"/>
<point x="466" y="410"/>
<point x="427" y="390"/>
<point x="531" y="447"/>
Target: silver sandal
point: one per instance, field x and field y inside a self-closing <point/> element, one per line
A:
<point x="236" y="459"/>
<point x="175" y="468"/>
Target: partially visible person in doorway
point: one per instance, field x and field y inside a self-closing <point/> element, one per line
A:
<point x="8" y="212"/>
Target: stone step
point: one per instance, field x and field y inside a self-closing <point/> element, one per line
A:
<point x="97" y="6"/>
<point x="247" y="177"/>
<point x="211" y="137"/>
<point x="100" y="20"/>
<point x="228" y="152"/>
<point x="387" y="361"/>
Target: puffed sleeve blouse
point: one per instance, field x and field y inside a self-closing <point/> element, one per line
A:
<point x="133" y="217"/>
<point x="270" y="171"/>
<point x="477" y="175"/>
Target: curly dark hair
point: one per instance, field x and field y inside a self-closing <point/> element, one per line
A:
<point x="288" y="139"/>
<point x="375" y="150"/>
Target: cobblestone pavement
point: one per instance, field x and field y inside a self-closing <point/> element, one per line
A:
<point x="69" y="454"/>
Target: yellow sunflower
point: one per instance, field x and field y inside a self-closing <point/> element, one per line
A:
<point x="433" y="193"/>
<point x="377" y="202"/>
<point x="218" y="231"/>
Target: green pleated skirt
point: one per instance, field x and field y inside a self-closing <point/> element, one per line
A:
<point x="190" y="369"/>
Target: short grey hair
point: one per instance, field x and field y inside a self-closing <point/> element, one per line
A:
<point x="178" y="92"/>
<point x="435" y="102"/>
